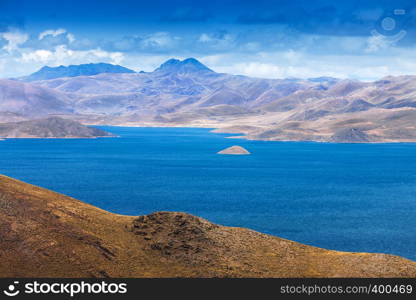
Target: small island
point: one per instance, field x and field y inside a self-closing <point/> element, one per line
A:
<point x="234" y="150"/>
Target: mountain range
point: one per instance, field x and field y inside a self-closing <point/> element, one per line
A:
<point x="187" y="93"/>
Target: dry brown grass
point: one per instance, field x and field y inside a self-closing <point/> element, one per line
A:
<point x="46" y="234"/>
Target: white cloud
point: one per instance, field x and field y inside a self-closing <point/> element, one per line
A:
<point x="256" y="69"/>
<point x="56" y="32"/>
<point x="70" y="37"/>
<point x="302" y="65"/>
<point x="366" y="58"/>
<point x="37" y="56"/>
<point x="205" y="38"/>
<point x="19" y="58"/>
<point x="252" y="46"/>
<point x="61" y="55"/>
<point x="159" y="40"/>
<point x="271" y="70"/>
<point x="377" y="42"/>
<point x="219" y="40"/>
<point x="115" y="57"/>
<point x="51" y="32"/>
<point x="14" y="40"/>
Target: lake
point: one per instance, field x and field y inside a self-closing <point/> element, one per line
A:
<point x="351" y="197"/>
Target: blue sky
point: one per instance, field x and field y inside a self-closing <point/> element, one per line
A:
<point x="275" y="39"/>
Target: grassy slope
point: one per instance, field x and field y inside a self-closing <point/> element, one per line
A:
<point x="46" y="234"/>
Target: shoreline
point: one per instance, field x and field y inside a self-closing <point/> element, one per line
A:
<point x="58" y="138"/>
<point x="214" y="129"/>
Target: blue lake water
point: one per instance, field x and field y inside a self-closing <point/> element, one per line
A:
<point x="352" y="197"/>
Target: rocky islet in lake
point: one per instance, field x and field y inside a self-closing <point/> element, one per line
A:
<point x="234" y="150"/>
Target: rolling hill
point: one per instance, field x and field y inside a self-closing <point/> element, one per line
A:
<point x="46" y="234"/>
<point x="27" y="100"/>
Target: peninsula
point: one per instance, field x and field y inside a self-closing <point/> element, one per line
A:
<point x="52" y="127"/>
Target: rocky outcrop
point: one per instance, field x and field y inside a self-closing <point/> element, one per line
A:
<point x="350" y="135"/>
<point x="235" y="150"/>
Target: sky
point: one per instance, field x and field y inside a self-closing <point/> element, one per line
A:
<point x="356" y="39"/>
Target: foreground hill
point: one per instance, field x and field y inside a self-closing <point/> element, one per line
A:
<point x="45" y="234"/>
<point x="52" y="127"/>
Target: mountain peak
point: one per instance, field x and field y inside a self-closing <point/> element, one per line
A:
<point x="188" y="65"/>
<point x="90" y="69"/>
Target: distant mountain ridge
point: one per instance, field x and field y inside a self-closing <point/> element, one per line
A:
<point x="187" y="93"/>
<point x="186" y="66"/>
<point x="47" y="73"/>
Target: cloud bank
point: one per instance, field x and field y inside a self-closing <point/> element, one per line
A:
<point x="272" y="39"/>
